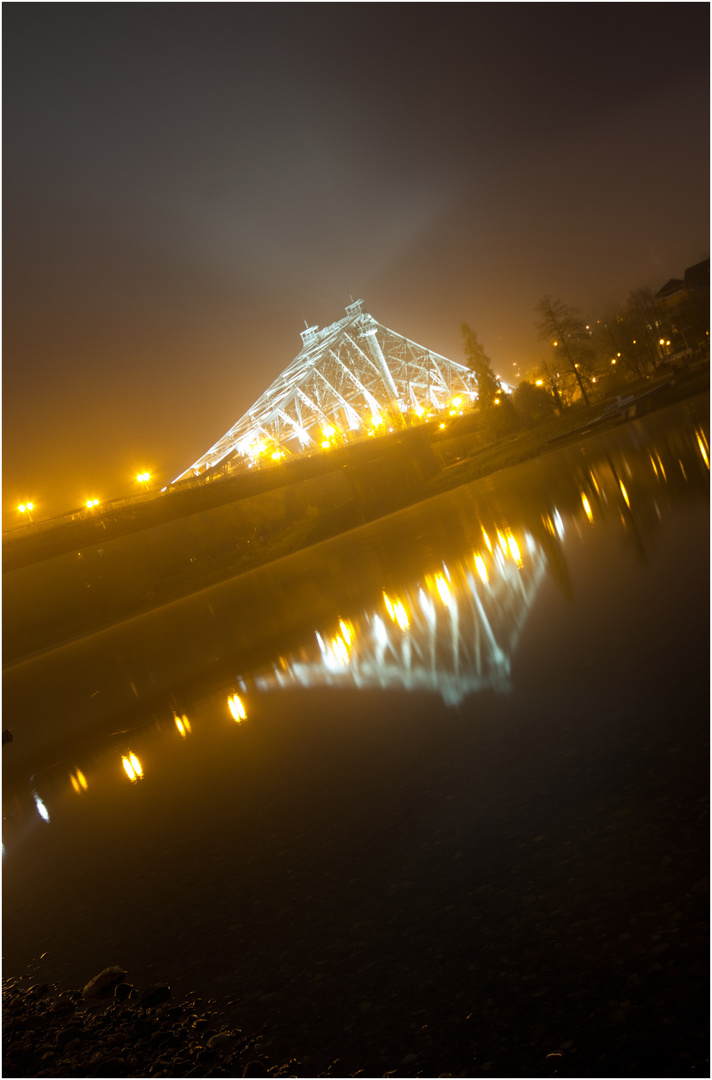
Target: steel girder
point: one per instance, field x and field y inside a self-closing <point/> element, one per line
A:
<point x="347" y="377"/>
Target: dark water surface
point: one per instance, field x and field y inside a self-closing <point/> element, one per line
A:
<point x="465" y="816"/>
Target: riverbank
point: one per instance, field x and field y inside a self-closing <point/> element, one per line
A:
<point x="576" y="424"/>
<point x="53" y="1032"/>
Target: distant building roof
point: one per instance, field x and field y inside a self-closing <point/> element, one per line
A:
<point x="670" y="287"/>
<point x="698" y="276"/>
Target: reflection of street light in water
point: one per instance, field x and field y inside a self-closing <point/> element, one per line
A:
<point x="237" y="708"/>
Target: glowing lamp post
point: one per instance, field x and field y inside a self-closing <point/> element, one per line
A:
<point x="27" y="508"/>
<point x="143" y="478"/>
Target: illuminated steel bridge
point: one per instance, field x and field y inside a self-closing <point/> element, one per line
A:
<point x="454" y="633"/>
<point x="352" y="378"/>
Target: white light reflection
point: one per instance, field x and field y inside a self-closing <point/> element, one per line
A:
<point x="41" y="808"/>
<point x="454" y="633"/>
<point x="559" y="524"/>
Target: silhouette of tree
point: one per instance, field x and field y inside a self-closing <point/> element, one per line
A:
<point x="534" y="403"/>
<point x="549" y="377"/>
<point x="645" y="323"/>
<point x="565" y="330"/>
<point x="488" y="388"/>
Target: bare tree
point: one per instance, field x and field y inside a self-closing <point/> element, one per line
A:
<point x="644" y="316"/>
<point x="565" y="330"/>
<point x="552" y="380"/>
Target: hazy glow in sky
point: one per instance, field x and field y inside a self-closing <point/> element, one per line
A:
<point x="186" y="184"/>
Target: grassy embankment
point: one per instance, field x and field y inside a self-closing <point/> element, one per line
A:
<point x="576" y="423"/>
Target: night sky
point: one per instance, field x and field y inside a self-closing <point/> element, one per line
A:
<point x="185" y="184"/>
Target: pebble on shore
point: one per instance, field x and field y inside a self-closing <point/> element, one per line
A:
<point x="110" y="1029"/>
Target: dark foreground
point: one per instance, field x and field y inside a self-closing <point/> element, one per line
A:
<point x="48" y="1032"/>
<point x="586" y="960"/>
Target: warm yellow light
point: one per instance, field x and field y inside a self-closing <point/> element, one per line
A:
<point x="328" y="431"/>
<point x="179" y="724"/>
<point x="136" y="764"/>
<point x="128" y="768"/>
<point x="703" y="451"/>
<point x="143" y="477"/>
<point x="514" y="549"/>
<point x="346" y="631"/>
<point x="539" y="382"/>
<point x="389" y="606"/>
<point x="377" y="420"/>
<point x="624" y="493"/>
<point x="326" y="444"/>
<point x="481" y="568"/>
<point x="457" y="402"/>
<point x="236" y="708"/>
<point x="442" y="425"/>
<point x="587" y="507"/>
<point x="613" y="361"/>
<point x="488" y="542"/>
<point x="442" y="587"/>
<point x="401" y="615"/>
<point x="26" y="508"/>
<point x="277" y="455"/>
<point x="75" y="785"/>
<point x="502" y="540"/>
<point x="92" y="502"/>
<point x="419" y="410"/>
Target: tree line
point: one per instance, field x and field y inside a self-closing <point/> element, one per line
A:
<point x="587" y="361"/>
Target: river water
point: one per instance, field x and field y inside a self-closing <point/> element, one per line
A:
<point x="437" y="787"/>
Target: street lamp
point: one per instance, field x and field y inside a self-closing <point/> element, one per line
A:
<point x="26" y="508"/>
<point x="143" y="478"/>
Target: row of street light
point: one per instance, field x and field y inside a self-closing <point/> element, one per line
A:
<point x="27" y="508"/>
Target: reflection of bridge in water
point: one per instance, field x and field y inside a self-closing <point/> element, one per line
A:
<point x="453" y="633"/>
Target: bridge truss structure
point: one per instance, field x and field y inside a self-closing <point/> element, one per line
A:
<point x="454" y="633"/>
<point x="353" y="378"/>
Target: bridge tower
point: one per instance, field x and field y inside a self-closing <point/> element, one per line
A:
<point x="351" y="379"/>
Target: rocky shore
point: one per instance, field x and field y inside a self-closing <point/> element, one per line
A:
<point x="112" y="1029"/>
